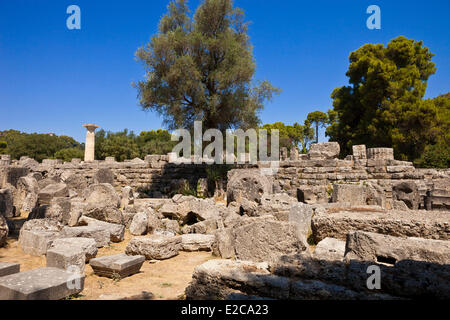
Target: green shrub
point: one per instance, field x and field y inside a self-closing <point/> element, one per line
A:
<point x="69" y="154"/>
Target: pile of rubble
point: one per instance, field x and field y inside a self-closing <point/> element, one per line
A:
<point x="272" y="244"/>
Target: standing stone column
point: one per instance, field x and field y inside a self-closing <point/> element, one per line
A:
<point x="89" y="148"/>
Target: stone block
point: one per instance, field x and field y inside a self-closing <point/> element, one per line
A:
<point x="127" y="197"/>
<point x="120" y="265"/>
<point x="99" y="234"/>
<point x="359" y="152"/>
<point x="104" y="175"/>
<point x="52" y="191"/>
<point x="116" y="231"/>
<point x="36" y="236"/>
<point x="87" y="245"/>
<point x="69" y="258"/>
<point x="7" y="208"/>
<point x="102" y="195"/>
<point x="266" y="240"/>
<point x="330" y="249"/>
<point x="4" y="231"/>
<point x="104" y="212"/>
<point x="10" y="175"/>
<point x="349" y="193"/>
<point x="138" y="226"/>
<point x="380" y="248"/>
<point x="59" y="210"/>
<point x="294" y="154"/>
<point x="26" y="197"/>
<point x="301" y="214"/>
<point x="408" y="193"/>
<point x="325" y="150"/>
<point x="368" y="218"/>
<point x="7" y="268"/>
<point x="249" y="184"/>
<point x="197" y="242"/>
<point x="154" y="247"/>
<point x="217" y="279"/>
<point x="380" y="153"/>
<point x="41" y="284"/>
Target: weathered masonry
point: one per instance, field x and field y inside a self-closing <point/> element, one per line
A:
<point x="309" y="177"/>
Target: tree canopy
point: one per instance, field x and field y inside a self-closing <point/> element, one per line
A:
<point x="383" y="106"/>
<point x="297" y="135"/>
<point x="37" y="146"/>
<point x="319" y="119"/>
<point x="201" y="68"/>
<point x="124" y="145"/>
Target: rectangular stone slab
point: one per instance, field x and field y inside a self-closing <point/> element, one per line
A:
<point x="119" y="264"/>
<point x="154" y="247"/>
<point x="40" y="284"/>
<point x="7" y="268"/>
<point x="66" y="258"/>
<point x="99" y="234"/>
<point x="36" y="242"/>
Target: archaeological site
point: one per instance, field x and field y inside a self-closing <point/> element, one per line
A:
<point x="224" y="159"/>
<point x="317" y="228"/>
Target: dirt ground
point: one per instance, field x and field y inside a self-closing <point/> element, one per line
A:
<point x="166" y="279"/>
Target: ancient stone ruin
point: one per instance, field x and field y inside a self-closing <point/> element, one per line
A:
<point x="312" y="230"/>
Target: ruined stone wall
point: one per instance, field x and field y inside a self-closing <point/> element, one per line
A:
<point x="314" y="178"/>
<point x="309" y="178"/>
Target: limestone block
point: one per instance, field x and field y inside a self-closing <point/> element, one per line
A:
<point x="359" y="152"/>
<point x="104" y="212"/>
<point x="68" y="258"/>
<point x="120" y="265"/>
<point x="102" y="195"/>
<point x="330" y="249"/>
<point x="4" y="230"/>
<point x="154" y="247"/>
<point x="99" y="234"/>
<point x="27" y="193"/>
<point x="35" y="236"/>
<point x="7" y="268"/>
<point x="301" y="214"/>
<point x="266" y="240"/>
<point x="7" y="208"/>
<point x="368" y="218"/>
<point x="294" y="154"/>
<point x="349" y="193"/>
<point x="59" y="210"/>
<point x="87" y="245"/>
<point x="197" y="242"/>
<point x="325" y="150"/>
<point x="368" y="246"/>
<point x="166" y="224"/>
<point x="408" y="193"/>
<point x="380" y="153"/>
<point x="40" y="284"/>
<point x="127" y="197"/>
<point x="52" y="191"/>
<point x="104" y="175"/>
<point x="139" y="224"/>
<point x="76" y="182"/>
<point x="116" y="231"/>
<point x="249" y="184"/>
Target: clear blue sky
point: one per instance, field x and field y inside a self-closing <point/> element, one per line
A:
<point x="54" y="80"/>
